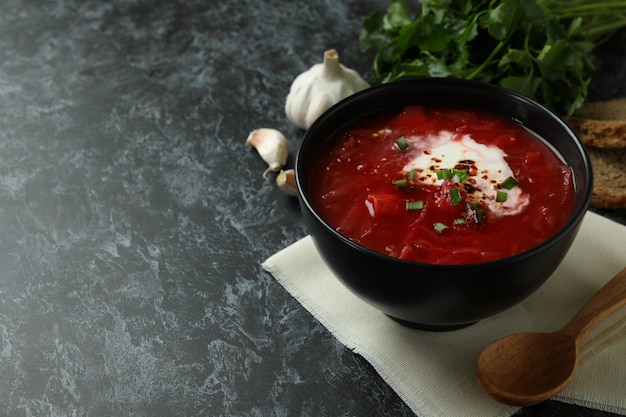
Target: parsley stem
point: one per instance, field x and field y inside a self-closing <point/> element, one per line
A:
<point x="574" y="8"/>
<point x="487" y="61"/>
<point x="598" y="31"/>
<point x="604" y="16"/>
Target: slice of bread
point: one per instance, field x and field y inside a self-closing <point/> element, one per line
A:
<point x="609" y="169"/>
<point x="601" y="124"/>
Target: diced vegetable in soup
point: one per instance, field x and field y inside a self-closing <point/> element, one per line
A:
<point x="443" y="186"/>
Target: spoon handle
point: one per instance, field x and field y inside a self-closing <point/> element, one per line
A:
<point x="610" y="298"/>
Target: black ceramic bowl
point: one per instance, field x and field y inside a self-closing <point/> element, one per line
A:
<point x="442" y="297"/>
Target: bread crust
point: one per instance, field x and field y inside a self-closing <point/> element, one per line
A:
<point x="599" y="133"/>
<point x="604" y="110"/>
<point x="601" y="123"/>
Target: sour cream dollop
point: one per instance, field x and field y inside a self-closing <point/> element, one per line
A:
<point x="486" y="167"/>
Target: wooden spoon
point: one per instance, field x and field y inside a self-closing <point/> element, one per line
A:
<point x="528" y="368"/>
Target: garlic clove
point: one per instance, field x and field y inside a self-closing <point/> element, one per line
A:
<point x="286" y="181"/>
<point x="320" y="87"/>
<point x="271" y="145"/>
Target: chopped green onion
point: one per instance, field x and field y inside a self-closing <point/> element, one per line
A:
<point x="411" y="174"/>
<point x="459" y="221"/>
<point x="501" y="196"/>
<point x="509" y="183"/>
<point x="455" y="197"/>
<point x="460" y="174"/>
<point x="444" y="174"/>
<point x="439" y="227"/>
<point x="479" y="215"/>
<point x="414" y="205"/>
<point x="401" y="182"/>
<point x="402" y="143"/>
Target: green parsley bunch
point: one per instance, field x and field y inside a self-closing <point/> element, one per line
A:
<point x="540" y="48"/>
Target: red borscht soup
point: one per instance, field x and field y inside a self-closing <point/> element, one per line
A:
<point x="442" y="186"/>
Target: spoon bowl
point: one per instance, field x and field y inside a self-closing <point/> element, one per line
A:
<point x="527" y="368"/>
<point x="515" y="382"/>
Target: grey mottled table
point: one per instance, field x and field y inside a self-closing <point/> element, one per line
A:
<point x="133" y="219"/>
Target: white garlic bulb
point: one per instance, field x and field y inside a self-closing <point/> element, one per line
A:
<point x="317" y="89"/>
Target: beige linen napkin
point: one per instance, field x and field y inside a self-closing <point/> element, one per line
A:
<point x="434" y="373"/>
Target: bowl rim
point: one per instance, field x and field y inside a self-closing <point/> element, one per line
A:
<point x="572" y="223"/>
